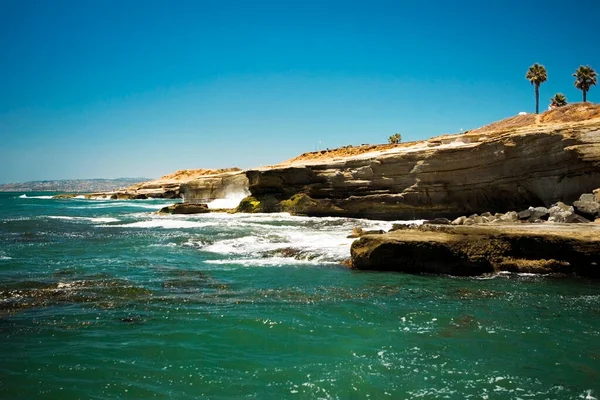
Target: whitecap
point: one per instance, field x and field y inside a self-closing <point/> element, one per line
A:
<point x="162" y="223"/>
<point x="231" y="200"/>
<point x="90" y="219"/>
<point x="268" y="262"/>
<point x="24" y="196"/>
<point x="315" y="239"/>
<point x="123" y="203"/>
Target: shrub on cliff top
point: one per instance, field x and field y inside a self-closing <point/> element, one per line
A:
<point x="558" y="100"/>
<point x="395" y="138"/>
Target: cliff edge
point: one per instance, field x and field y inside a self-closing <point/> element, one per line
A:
<point x="511" y="164"/>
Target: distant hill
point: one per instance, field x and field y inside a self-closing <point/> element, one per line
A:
<point x="72" y="185"/>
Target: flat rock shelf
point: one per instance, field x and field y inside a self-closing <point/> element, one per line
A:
<point x="481" y="249"/>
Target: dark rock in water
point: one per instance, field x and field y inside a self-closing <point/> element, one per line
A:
<point x="289" y="252"/>
<point x="132" y="319"/>
<point x="587" y="206"/>
<point x="129" y="196"/>
<point x="438" y="221"/>
<point x="475" y="250"/>
<point x="98" y="291"/>
<point x="560" y="212"/>
<point x="185" y="208"/>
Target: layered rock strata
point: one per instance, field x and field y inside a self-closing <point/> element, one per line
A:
<point x="480" y="249"/>
<point x="522" y="161"/>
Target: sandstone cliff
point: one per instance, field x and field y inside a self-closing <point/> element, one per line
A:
<point x="513" y="164"/>
<point x="166" y="187"/>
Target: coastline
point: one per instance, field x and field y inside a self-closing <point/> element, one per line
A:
<point x="508" y="167"/>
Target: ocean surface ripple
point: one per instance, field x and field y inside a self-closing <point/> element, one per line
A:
<point x="105" y="299"/>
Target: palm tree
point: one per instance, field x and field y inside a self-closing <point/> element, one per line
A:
<point x="585" y="77"/>
<point x="558" y="100"/>
<point x="537" y="75"/>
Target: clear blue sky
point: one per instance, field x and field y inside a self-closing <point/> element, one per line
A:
<point x="93" y="89"/>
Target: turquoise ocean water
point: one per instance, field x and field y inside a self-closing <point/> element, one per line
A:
<point x="104" y="299"/>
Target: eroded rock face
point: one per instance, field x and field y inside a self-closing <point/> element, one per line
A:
<point x="500" y="174"/>
<point x="475" y="250"/>
<point x="499" y="168"/>
<point x="205" y="189"/>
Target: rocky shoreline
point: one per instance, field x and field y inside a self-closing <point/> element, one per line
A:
<point x="538" y="164"/>
<point x="558" y="240"/>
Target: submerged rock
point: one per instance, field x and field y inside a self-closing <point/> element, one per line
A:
<point x="185" y="208"/>
<point x="475" y="250"/>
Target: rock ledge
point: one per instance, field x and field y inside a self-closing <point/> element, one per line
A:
<point x="478" y="249"/>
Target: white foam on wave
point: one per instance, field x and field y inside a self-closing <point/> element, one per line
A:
<point x="267" y="262"/>
<point x="162" y="223"/>
<point x="24" y="196"/>
<point x="122" y="203"/>
<point x="98" y="220"/>
<point x="4" y="257"/>
<point x="306" y="239"/>
<point x="231" y="200"/>
<point x="509" y="273"/>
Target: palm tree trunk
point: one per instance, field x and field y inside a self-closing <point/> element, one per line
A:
<point x="537" y="98"/>
<point x="584" y="95"/>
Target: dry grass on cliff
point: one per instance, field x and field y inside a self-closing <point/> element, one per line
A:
<point x="189" y="174"/>
<point x="178" y="177"/>
<point x="346" y="151"/>
<point x="508" y="124"/>
<point x="575" y="112"/>
<point x="571" y="113"/>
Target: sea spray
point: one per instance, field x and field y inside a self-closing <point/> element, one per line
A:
<point x="231" y="200"/>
